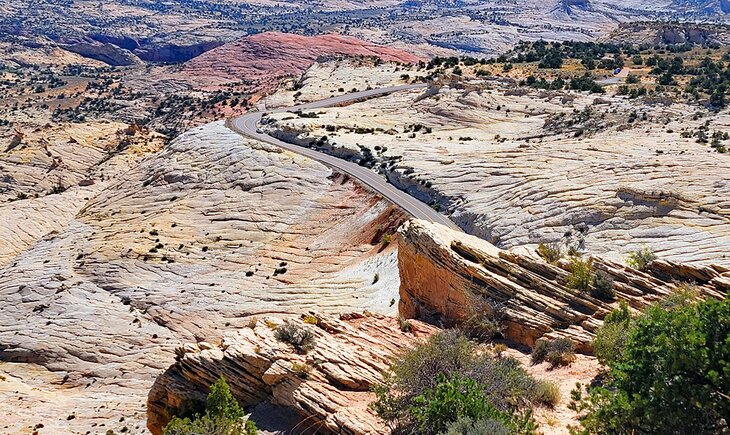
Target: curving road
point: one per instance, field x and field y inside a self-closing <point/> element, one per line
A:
<point x="247" y="125"/>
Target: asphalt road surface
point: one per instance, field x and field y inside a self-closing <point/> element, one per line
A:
<point x="247" y="125"/>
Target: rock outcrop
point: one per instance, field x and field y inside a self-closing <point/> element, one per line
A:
<point x="444" y="272"/>
<point x="268" y="57"/>
<point x="102" y="282"/>
<point x="104" y="52"/>
<point x="329" y="386"/>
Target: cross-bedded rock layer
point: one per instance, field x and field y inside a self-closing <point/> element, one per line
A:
<point x="445" y="274"/>
<point x="194" y="239"/>
<point x="329" y="386"/>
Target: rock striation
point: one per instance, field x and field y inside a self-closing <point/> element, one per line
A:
<point x="517" y="166"/>
<point x="444" y="272"/>
<point x="329" y="386"/>
<point x="266" y="58"/>
<point x="105" y="280"/>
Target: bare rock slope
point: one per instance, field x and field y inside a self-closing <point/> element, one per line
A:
<point x="520" y="166"/>
<point x="267" y="57"/>
<point x="196" y="238"/>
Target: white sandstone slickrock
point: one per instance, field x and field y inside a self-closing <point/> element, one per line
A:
<point x="494" y="160"/>
<point x="193" y="240"/>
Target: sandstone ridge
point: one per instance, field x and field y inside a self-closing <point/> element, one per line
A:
<point x="443" y="272"/>
<point x="329" y="386"/>
<point x="266" y="57"/>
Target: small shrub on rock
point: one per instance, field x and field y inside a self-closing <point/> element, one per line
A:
<point x="602" y="287"/>
<point x="641" y="259"/>
<point x="550" y="252"/>
<point x="581" y="274"/>
<point x="300" y="337"/>
<point x="301" y="369"/>
<point x="547" y="393"/>
<point x="404" y="324"/>
<point x="485" y="319"/>
<point x="557" y="352"/>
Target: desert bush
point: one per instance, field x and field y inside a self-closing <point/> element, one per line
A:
<point x="672" y="376"/>
<point x="602" y="286"/>
<point x="611" y="337"/>
<point x="484" y="426"/>
<point x="682" y="295"/>
<point x="581" y="274"/>
<point x="484" y="321"/>
<point x="404" y="324"/>
<point x="451" y="399"/>
<point x="547" y="393"/>
<point x="449" y="371"/>
<point x="223" y="416"/>
<point x="558" y="352"/>
<point x="550" y="252"/>
<point x="300" y="337"/>
<point x="640" y="259"/>
<point x="310" y="319"/>
<point x="301" y="369"/>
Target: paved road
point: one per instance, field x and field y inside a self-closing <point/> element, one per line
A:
<point x="609" y="81"/>
<point x="247" y="125"/>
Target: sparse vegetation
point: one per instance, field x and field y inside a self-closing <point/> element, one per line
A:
<point x="641" y="259"/>
<point x="557" y="352"/>
<point x="301" y="338"/>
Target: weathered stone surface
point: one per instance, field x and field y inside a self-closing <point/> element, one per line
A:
<point x="350" y="357"/>
<point x="265" y="58"/>
<point x="442" y="271"/>
<point x="516" y="167"/>
<point x="192" y="241"/>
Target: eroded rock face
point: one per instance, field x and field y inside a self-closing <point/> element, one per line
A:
<point x="350" y="356"/>
<point x="267" y="57"/>
<point x="193" y="240"/>
<point x="443" y="273"/>
<point x="507" y="168"/>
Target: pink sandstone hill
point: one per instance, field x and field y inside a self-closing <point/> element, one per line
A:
<point x="267" y="57"/>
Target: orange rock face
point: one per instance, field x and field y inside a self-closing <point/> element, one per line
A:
<point x="265" y="58"/>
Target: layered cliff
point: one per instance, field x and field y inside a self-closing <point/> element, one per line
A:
<point x="329" y="387"/>
<point x="443" y="273"/>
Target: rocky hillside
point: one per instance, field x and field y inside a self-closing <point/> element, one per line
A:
<point x="447" y="278"/>
<point x="264" y="59"/>
<point x="329" y="387"/>
<point x="524" y="166"/>
<point x="108" y="277"/>
<point x="446" y="274"/>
